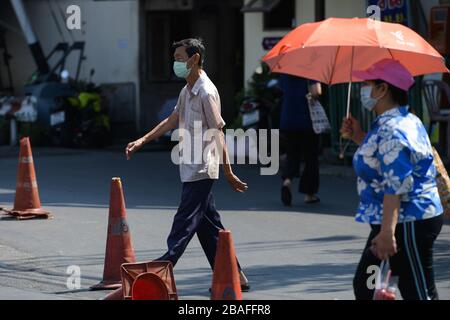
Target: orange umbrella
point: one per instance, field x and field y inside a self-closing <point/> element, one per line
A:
<point x="328" y="51"/>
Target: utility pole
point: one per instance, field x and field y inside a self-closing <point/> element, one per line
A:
<point x="33" y="42"/>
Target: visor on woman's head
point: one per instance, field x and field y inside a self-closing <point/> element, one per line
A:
<point x="388" y="70"/>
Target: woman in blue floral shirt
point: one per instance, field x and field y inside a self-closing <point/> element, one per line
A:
<point x="396" y="184"/>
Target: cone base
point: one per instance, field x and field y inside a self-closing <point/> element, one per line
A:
<point x="226" y="292"/>
<point x="106" y="285"/>
<point x="28" y="214"/>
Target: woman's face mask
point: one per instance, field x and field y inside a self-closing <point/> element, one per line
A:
<point x="367" y="101"/>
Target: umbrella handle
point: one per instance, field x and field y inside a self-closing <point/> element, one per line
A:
<point x="343" y="149"/>
<point x="350" y="83"/>
<point x="349" y="95"/>
<point x="347" y="114"/>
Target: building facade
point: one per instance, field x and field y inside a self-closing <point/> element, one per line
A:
<point x="128" y="43"/>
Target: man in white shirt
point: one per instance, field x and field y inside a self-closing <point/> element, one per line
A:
<point x="197" y="110"/>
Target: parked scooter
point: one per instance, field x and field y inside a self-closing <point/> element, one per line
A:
<point x="64" y="122"/>
<point x="81" y="121"/>
<point x="262" y="111"/>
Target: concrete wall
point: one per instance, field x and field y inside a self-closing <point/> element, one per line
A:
<point x="345" y="8"/>
<point x="109" y="28"/>
<point x="254" y="33"/>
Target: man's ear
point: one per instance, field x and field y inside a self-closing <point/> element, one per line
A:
<point x="192" y="61"/>
<point x="196" y="59"/>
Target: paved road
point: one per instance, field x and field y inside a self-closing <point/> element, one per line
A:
<point x="304" y="252"/>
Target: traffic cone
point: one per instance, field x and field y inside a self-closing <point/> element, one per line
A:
<point x="225" y="284"/>
<point x="27" y="204"/>
<point x="149" y="286"/>
<point x="119" y="248"/>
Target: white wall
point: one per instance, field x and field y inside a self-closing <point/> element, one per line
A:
<point x="109" y="29"/>
<point x="254" y="33"/>
<point x="345" y="8"/>
<point x="305" y="12"/>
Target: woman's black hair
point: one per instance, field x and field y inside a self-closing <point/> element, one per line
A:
<point x="193" y="46"/>
<point x="398" y="95"/>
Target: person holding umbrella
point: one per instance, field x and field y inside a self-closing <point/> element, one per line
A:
<point x="396" y="183"/>
<point x="396" y="175"/>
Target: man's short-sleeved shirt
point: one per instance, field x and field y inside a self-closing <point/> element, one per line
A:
<point x="199" y="107"/>
<point x="396" y="158"/>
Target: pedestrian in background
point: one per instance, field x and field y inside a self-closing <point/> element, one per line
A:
<point x="301" y="140"/>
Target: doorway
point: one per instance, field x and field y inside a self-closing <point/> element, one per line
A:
<point x="218" y="23"/>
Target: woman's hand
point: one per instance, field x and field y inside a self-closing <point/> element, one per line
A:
<point x="235" y="183"/>
<point x="315" y="90"/>
<point x="351" y="129"/>
<point x="132" y="147"/>
<point x="384" y="245"/>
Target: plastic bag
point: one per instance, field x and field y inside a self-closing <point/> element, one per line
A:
<point x="385" y="284"/>
<point x="443" y="183"/>
<point x="318" y="115"/>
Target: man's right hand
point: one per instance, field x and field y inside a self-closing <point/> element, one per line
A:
<point x="132" y="147"/>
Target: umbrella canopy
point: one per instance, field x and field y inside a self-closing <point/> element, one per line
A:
<point x="328" y="51"/>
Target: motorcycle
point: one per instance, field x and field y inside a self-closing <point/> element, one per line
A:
<point x="81" y="121"/>
<point x="64" y="122"/>
<point x="262" y="111"/>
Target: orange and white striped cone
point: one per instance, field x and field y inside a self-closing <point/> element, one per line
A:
<point x="27" y="204"/>
<point x="226" y="283"/>
<point x="119" y="248"/>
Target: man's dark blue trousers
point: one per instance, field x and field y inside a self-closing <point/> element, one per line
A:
<point x="197" y="214"/>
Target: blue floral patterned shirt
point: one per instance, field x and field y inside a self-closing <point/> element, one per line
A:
<point x="396" y="158"/>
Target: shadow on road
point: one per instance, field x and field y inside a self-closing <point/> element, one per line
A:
<point x="50" y="269"/>
<point x="151" y="181"/>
